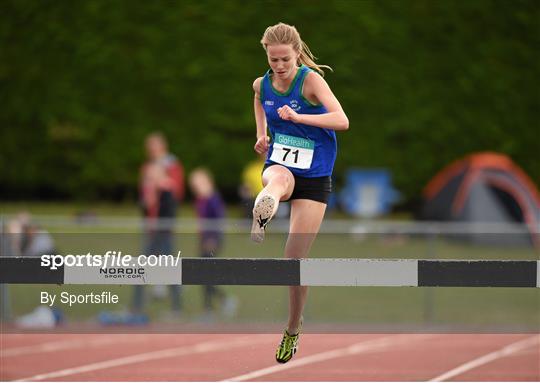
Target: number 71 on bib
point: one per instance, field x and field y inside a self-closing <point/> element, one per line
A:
<point x="292" y="151"/>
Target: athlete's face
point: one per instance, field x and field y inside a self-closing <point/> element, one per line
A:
<point x="282" y="59"/>
<point x="155" y="147"/>
<point x="201" y="185"/>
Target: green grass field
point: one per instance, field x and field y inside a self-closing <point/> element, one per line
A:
<point x="340" y="305"/>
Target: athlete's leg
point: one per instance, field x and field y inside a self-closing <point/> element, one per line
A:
<point x="278" y="181"/>
<point x="306" y="219"/>
<point x="278" y="184"/>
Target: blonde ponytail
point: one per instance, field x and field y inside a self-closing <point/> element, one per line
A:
<point x="287" y="34"/>
<point x="307" y="58"/>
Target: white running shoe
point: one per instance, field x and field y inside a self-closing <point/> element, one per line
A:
<point x="263" y="212"/>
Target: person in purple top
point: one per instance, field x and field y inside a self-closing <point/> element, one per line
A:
<point x="210" y="210"/>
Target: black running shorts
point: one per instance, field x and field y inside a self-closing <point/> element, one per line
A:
<point x="316" y="188"/>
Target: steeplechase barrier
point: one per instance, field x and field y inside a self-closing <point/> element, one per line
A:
<point x="285" y="272"/>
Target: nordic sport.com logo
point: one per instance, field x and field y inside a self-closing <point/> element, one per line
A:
<point x="110" y="259"/>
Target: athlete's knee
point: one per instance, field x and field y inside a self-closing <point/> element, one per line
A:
<point x="282" y="179"/>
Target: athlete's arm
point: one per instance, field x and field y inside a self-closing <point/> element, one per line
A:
<point x="261" y="146"/>
<point x="316" y="89"/>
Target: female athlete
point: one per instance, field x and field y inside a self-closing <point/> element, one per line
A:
<point x="296" y="104"/>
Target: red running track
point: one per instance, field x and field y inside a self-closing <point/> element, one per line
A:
<point x="250" y="357"/>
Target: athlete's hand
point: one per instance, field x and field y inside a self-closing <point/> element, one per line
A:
<point x="286" y="113"/>
<point x="261" y="146"/>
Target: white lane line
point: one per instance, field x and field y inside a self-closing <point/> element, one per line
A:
<point x="68" y="344"/>
<point x="198" y="348"/>
<point x="372" y="345"/>
<point x="501" y="353"/>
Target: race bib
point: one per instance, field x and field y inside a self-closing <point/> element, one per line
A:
<point x="291" y="151"/>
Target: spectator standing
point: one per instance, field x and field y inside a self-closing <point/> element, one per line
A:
<point x="161" y="190"/>
<point x="210" y="210"/>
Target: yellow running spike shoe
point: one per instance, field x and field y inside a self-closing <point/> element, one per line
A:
<point x="288" y="346"/>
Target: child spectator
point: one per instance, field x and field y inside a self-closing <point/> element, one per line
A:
<point x="210" y="210"/>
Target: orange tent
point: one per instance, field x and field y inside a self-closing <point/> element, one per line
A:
<point x="484" y="187"/>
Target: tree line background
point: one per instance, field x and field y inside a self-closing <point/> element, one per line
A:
<point x="423" y="82"/>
